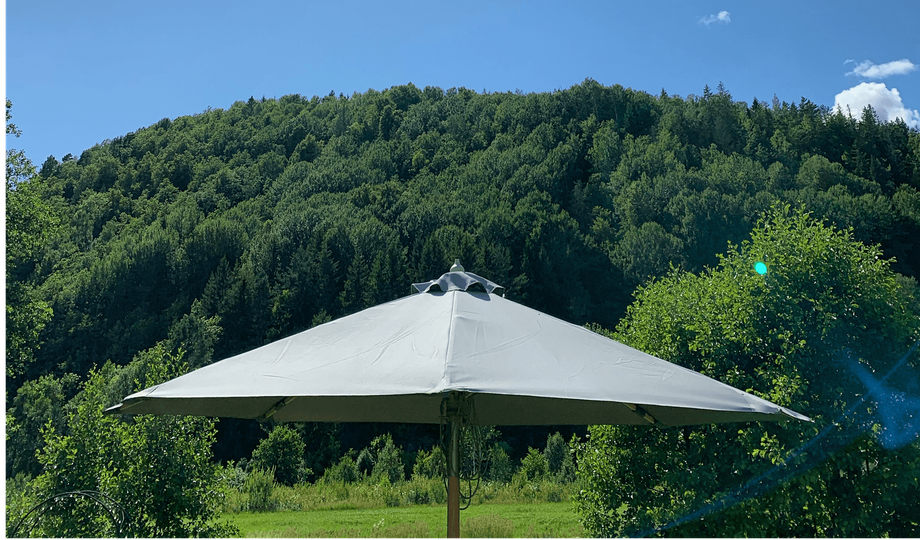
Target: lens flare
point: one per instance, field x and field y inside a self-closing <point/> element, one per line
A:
<point x="760" y="268"/>
<point x="897" y="412"/>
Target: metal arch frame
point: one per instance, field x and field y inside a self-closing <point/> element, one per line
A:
<point x="116" y="512"/>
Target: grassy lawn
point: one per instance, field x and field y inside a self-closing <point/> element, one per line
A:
<point x="483" y="520"/>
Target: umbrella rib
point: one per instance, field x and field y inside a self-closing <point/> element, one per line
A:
<point x="450" y="336"/>
<point x="644" y="414"/>
<point x="274" y="408"/>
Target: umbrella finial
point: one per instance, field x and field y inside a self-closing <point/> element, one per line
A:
<point x="459" y="279"/>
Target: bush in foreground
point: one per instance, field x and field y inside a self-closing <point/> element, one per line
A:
<point x="158" y="468"/>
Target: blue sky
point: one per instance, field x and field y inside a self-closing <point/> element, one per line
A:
<point x="82" y="72"/>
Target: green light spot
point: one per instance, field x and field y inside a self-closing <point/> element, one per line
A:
<point x="760" y="268"/>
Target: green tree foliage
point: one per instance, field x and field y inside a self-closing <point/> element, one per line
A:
<point x="431" y="464"/>
<point x="500" y="468"/>
<point x="30" y="222"/>
<point x="18" y="166"/>
<point x="220" y="231"/>
<point x="345" y="471"/>
<point x="158" y="468"/>
<point x="382" y="460"/>
<point x="555" y="452"/>
<point x="388" y="463"/>
<point x="282" y="451"/>
<point x="534" y="466"/>
<point x="321" y="444"/>
<point x="475" y="442"/>
<point x="272" y="212"/>
<point x="38" y="405"/>
<point x="806" y="335"/>
<point x="568" y="469"/>
<point x="365" y="461"/>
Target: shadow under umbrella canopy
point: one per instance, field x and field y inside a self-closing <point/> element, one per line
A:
<point x="455" y="353"/>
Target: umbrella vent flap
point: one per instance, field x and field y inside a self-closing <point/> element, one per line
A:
<point x="459" y="281"/>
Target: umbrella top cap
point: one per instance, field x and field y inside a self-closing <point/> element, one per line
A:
<point x="458" y="280"/>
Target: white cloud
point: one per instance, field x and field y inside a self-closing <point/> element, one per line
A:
<point x="879" y="71"/>
<point x="723" y="17"/>
<point x="887" y="103"/>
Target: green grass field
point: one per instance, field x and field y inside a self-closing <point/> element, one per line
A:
<point x="478" y="521"/>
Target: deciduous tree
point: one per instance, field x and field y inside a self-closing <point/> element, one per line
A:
<point x="158" y="468"/>
<point x="827" y="331"/>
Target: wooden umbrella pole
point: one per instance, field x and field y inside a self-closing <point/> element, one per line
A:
<point x="453" y="478"/>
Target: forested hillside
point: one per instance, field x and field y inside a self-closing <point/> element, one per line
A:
<point x="223" y="230"/>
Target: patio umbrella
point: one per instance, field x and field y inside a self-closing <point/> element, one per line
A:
<point x="459" y="353"/>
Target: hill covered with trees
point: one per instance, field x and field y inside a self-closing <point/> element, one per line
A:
<point x="232" y="227"/>
<point x="218" y="232"/>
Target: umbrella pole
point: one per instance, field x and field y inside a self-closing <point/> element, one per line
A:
<point x="453" y="479"/>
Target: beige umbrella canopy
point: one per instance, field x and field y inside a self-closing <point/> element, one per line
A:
<point x="459" y="353"/>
